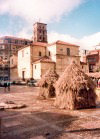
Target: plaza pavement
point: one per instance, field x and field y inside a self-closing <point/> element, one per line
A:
<point x="41" y="120"/>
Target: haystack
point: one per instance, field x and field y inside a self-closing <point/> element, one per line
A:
<point x="47" y="84"/>
<point x="75" y="90"/>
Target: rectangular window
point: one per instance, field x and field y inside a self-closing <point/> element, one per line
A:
<point x="9" y="40"/>
<point x="16" y="41"/>
<point x="49" y="53"/>
<point x="68" y="51"/>
<point x="91" y="59"/>
<point x="40" y="54"/>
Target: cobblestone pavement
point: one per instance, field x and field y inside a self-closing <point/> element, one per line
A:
<point x="41" y="120"/>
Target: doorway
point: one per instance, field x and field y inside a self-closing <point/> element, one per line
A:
<point x="23" y="75"/>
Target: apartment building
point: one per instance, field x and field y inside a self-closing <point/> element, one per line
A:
<point x="10" y="45"/>
<point x="93" y="59"/>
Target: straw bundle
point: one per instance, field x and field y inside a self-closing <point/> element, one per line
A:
<point x="47" y="84"/>
<point x="74" y="89"/>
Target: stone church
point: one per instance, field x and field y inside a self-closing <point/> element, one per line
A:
<point x="34" y="60"/>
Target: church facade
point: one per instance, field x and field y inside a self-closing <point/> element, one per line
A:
<point x="34" y="60"/>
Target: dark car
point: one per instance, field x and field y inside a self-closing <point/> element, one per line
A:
<point x="31" y="83"/>
<point x="19" y="82"/>
<point x="2" y="83"/>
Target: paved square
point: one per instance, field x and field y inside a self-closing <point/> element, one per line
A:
<point x="41" y="120"/>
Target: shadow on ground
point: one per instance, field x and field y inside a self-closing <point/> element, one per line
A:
<point x="30" y="125"/>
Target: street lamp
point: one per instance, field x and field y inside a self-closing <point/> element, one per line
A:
<point x="9" y="63"/>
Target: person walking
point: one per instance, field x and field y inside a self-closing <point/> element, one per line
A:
<point x="5" y="86"/>
<point x="8" y="85"/>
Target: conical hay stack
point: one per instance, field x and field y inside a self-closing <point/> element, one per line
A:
<point x="47" y="84"/>
<point x="74" y="89"/>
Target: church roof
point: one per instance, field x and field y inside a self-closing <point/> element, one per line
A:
<point x="63" y="43"/>
<point x="45" y="59"/>
<point x="39" y="44"/>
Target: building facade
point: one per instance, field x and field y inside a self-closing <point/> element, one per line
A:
<point x="27" y="56"/>
<point x="35" y="60"/>
<point x="4" y="70"/>
<point x="84" y="66"/>
<point x="10" y="45"/>
<point x="37" y="56"/>
<point x="14" y="68"/>
<point x="93" y="59"/>
<point x="41" y="66"/>
<point x="63" y="53"/>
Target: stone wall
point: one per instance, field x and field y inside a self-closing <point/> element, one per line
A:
<point x="85" y="67"/>
<point x="36" y="50"/>
<point x="13" y="61"/>
<point x="62" y="49"/>
<point x="63" y="60"/>
<point x="39" y="69"/>
<point x="14" y="74"/>
<point x="46" y="66"/>
<point x="52" y="50"/>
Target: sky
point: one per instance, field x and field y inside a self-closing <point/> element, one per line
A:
<point x="73" y="21"/>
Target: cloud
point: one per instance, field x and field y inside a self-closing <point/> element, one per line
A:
<point x="87" y="42"/>
<point x="53" y="36"/>
<point x="46" y="11"/>
<point x="5" y="34"/>
<point x="33" y="10"/>
<point x="25" y="32"/>
<point x="91" y="41"/>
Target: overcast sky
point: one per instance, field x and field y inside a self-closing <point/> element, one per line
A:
<point x="74" y="21"/>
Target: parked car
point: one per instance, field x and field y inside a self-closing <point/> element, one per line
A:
<point x="20" y="82"/>
<point x="31" y="82"/>
<point x="3" y="82"/>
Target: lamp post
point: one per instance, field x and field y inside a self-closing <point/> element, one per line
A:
<point x="3" y="69"/>
<point x="9" y="64"/>
<point x="3" y="73"/>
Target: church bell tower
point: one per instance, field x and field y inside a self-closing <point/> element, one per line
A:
<point x="40" y="32"/>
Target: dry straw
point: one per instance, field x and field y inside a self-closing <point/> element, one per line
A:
<point x="47" y="84"/>
<point x="74" y="89"/>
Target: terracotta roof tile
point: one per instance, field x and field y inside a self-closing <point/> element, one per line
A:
<point x="44" y="59"/>
<point x="12" y="37"/>
<point x="39" y="44"/>
<point x="64" y="43"/>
